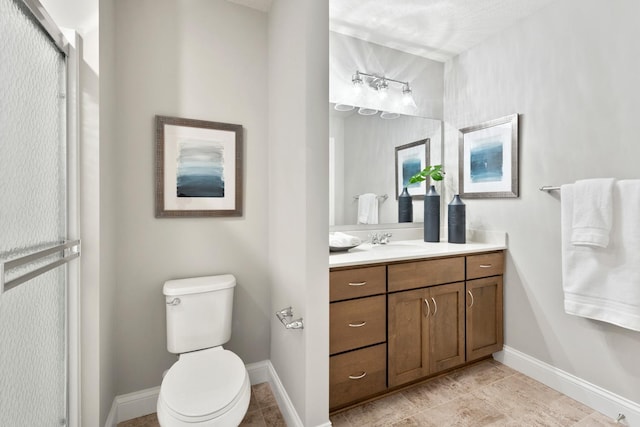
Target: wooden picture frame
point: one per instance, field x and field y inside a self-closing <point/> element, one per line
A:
<point x="488" y="159"/>
<point x="198" y="168"/>
<point x="410" y="159"/>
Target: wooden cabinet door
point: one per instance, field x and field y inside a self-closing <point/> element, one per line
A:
<point x="446" y="327"/>
<point x="407" y="336"/>
<point x="484" y="317"/>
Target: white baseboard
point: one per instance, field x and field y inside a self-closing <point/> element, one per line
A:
<point x="137" y="404"/>
<point x="596" y="397"/>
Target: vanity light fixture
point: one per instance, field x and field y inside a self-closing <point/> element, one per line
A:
<point x="380" y="84"/>
<point x="343" y="107"/>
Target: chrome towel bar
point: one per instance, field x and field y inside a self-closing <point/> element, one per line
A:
<point x="69" y="249"/>
<point x="549" y="188"/>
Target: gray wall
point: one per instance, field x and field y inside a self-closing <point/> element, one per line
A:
<point x="571" y="72"/>
<point x="299" y="199"/>
<point x="196" y="59"/>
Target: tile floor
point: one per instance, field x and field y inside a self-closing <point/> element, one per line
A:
<point x="263" y="411"/>
<point x="484" y="394"/>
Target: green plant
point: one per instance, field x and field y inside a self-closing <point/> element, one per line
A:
<point x="434" y="172"/>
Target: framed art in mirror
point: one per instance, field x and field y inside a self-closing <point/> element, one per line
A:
<point x="198" y="168"/>
<point x="410" y="159"/>
<point x="488" y="159"/>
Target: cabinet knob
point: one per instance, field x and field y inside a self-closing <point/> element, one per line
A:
<point x="358" y="377"/>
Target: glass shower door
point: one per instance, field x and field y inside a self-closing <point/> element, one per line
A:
<point x="33" y="219"/>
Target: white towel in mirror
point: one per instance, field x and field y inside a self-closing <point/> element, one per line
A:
<point x="368" y="209"/>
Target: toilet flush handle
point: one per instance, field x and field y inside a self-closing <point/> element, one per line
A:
<point x="174" y="301"/>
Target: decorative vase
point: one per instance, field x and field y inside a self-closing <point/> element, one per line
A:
<point x="432" y="215"/>
<point x="405" y="206"/>
<point x="457" y="220"/>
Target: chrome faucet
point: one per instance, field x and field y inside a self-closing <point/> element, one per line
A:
<point x="380" y="239"/>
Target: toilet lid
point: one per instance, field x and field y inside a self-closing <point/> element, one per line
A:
<point x="203" y="382"/>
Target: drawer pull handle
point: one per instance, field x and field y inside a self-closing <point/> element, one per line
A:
<point x="426" y="302"/>
<point x="358" y="377"/>
<point x="486" y="265"/>
<point x="435" y="311"/>
<point x="357" y="283"/>
<point x="357" y="325"/>
<point x="471" y="295"/>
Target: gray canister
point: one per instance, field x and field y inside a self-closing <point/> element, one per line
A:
<point x="457" y="220"/>
<point x="432" y="215"/>
<point x="405" y="206"/>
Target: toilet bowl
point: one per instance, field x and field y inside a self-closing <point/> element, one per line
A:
<point x="205" y="388"/>
<point x="208" y="385"/>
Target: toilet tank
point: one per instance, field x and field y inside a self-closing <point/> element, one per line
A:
<point x="199" y="312"/>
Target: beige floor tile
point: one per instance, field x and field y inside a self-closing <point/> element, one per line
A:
<point x="253" y="403"/>
<point x="435" y="392"/>
<point x="479" y="375"/>
<point x="465" y="411"/>
<point x="253" y="419"/>
<point x="264" y="395"/>
<point x="339" y="420"/>
<point x="382" y="412"/>
<point x="273" y="417"/>
<point x="150" y="420"/>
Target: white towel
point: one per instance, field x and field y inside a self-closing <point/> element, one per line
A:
<point x="604" y="283"/>
<point x="592" y="212"/>
<point x="368" y="209"/>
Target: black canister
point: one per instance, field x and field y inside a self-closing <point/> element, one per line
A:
<point x="405" y="206"/>
<point x="457" y="220"/>
<point x="432" y="215"/>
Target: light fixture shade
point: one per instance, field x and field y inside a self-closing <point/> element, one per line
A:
<point x="356" y="79"/>
<point x="367" y="111"/>
<point x="343" y="107"/>
<point x="407" y="95"/>
<point x="389" y="115"/>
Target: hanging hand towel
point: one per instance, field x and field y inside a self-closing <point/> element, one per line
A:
<point x="592" y="212"/>
<point x="604" y="283"/>
<point x="368" y="209"/>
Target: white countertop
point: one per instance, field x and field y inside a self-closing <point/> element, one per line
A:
<point x="406" y="250"/>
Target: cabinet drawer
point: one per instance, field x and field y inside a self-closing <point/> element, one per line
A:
<point x="357" y="323"/>
<point x="357" y="375"/>
<point x="485" y="265"/>
<point x="412" y="275"/>
<point x="357" y="282"/>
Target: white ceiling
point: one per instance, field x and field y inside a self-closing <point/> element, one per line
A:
<point x="434" y="29"/>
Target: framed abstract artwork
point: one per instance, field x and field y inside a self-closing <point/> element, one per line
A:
<point x="410" y="159"/>
<point x="198" y="168"/>
<point x="488" y="159"/>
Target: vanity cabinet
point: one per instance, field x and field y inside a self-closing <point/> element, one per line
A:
<point x="358" y="334"/>
<point x="426" y="332"/>
<point x="484" y="323"/>
<point x="404" y="321"/>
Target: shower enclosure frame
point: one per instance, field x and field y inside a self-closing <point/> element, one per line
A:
<point x="72" y="142"/>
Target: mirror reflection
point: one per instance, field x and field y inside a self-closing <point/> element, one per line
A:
<point x="362" y="161"/>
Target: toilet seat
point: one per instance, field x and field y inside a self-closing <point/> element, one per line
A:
<point x="205" y="385"/>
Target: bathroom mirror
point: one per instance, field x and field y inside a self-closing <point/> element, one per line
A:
<point x="362" y="160"/>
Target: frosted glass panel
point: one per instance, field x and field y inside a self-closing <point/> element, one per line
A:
<point x="32" y="216"/>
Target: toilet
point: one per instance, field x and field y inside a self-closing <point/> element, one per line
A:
<point x="208" y="385"/>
